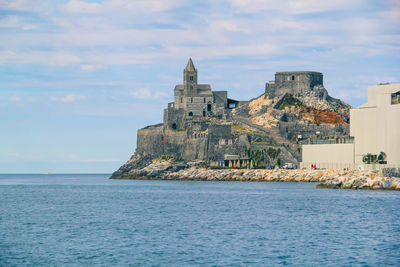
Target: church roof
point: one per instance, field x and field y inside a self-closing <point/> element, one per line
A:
<point x="190" y="66"/>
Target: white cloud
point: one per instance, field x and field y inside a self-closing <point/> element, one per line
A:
<point x="27" y="156"/>
<point x="68" y="98"/>
<point x="29" y="27"/>
<point x="16" y="99"/>
<point x="90" y="67"/>
<point x="292" y="6"/>
<point x="16" y="22"/>
<point x="21" y="101"/>
<point x="38" y="57"/>
<point x="145" y="93"/>
<point x="160" y="94"/>
<point x="10" y="22"/>
<point x="141" y="93"/>
<point x="124" y="6"/>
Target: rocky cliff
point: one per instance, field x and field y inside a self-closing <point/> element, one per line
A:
<point x="268" y="129"/>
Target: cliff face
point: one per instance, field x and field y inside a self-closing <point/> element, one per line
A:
<point x="302" y="114"/>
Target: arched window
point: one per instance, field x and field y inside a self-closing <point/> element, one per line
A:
<point x="191" y="100"/>
<point x="191" y="78"/>
<point x="204" y="100"/>
<point x="190" y="114"/>
<point x="174" y="126"/>
<point x="292" y="77"/>
<point x="204" y="113"/>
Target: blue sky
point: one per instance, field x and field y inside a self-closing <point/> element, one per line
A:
<point x="78" y="78"/>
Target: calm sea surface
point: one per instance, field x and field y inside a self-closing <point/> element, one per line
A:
<point x="84" y="220"/>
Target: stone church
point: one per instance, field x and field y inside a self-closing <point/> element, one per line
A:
<point x="196" y="101"/>
<point x="196" y="125"/>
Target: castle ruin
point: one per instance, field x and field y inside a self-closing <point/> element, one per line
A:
<point x="296" y="83"/>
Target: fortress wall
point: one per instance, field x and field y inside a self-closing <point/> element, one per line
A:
<point x="196" y="149"/>
<point x="218" y="131"/>
<point x="295" y="82"/>
<point x="292" y="129"/>
<point x="149" y="141"/>
<point x="174" y="118"/>
<point x="174" y="142"/>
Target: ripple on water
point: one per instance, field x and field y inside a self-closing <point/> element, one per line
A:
<point x="88" y="219"/>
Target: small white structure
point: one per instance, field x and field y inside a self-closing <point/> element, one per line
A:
<point x="375" y="127"/>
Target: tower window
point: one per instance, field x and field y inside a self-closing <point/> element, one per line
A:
<point x="181" y="100"/>
<point x="191" y="100"/>
<point x="190" y="114"/>
<point x="292" y="77"/>
<point x="191" y="78"/>
<point x="204" y="100"/>
<point x="204" y="113"/>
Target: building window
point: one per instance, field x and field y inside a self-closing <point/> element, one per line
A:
<point x="204" y="100"/>
<point x="181" y="100"/>
<point x="191" y="100"/>
<point x="204" y="113"/>
<point x="292" y="77"/>
<point x="191" y="78"/>
<point x="190" y="114"/>
<point x="395" y="98"/>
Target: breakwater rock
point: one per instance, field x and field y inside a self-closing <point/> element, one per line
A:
<point x="168" y="170"/>
<point x="325" y="178"/>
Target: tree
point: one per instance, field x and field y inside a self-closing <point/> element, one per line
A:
<point x="382" y="158"/>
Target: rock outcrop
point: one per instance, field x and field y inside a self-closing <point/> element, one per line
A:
<point x="170" y="170"/>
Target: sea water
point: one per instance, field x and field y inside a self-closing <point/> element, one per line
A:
<point x="79" y="220"/>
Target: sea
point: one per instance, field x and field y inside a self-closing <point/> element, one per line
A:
<point x="90" y="220"/>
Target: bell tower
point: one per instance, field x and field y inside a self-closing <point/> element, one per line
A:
<point x="190" y="78"/>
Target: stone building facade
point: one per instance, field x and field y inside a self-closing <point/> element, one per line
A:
<point x="188" y="131"/>
<point x="294" y="83"/>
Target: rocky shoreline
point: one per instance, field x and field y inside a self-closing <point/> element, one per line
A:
<point x="167" y="170"/>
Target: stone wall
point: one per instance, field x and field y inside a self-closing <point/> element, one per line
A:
<point x="150" y="141"/>
<point x="291" y="130"/>
<point x="174" y="118"/>
<point x="293" y="82"/>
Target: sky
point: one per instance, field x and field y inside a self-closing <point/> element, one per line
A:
<point x="79" y="78"/>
